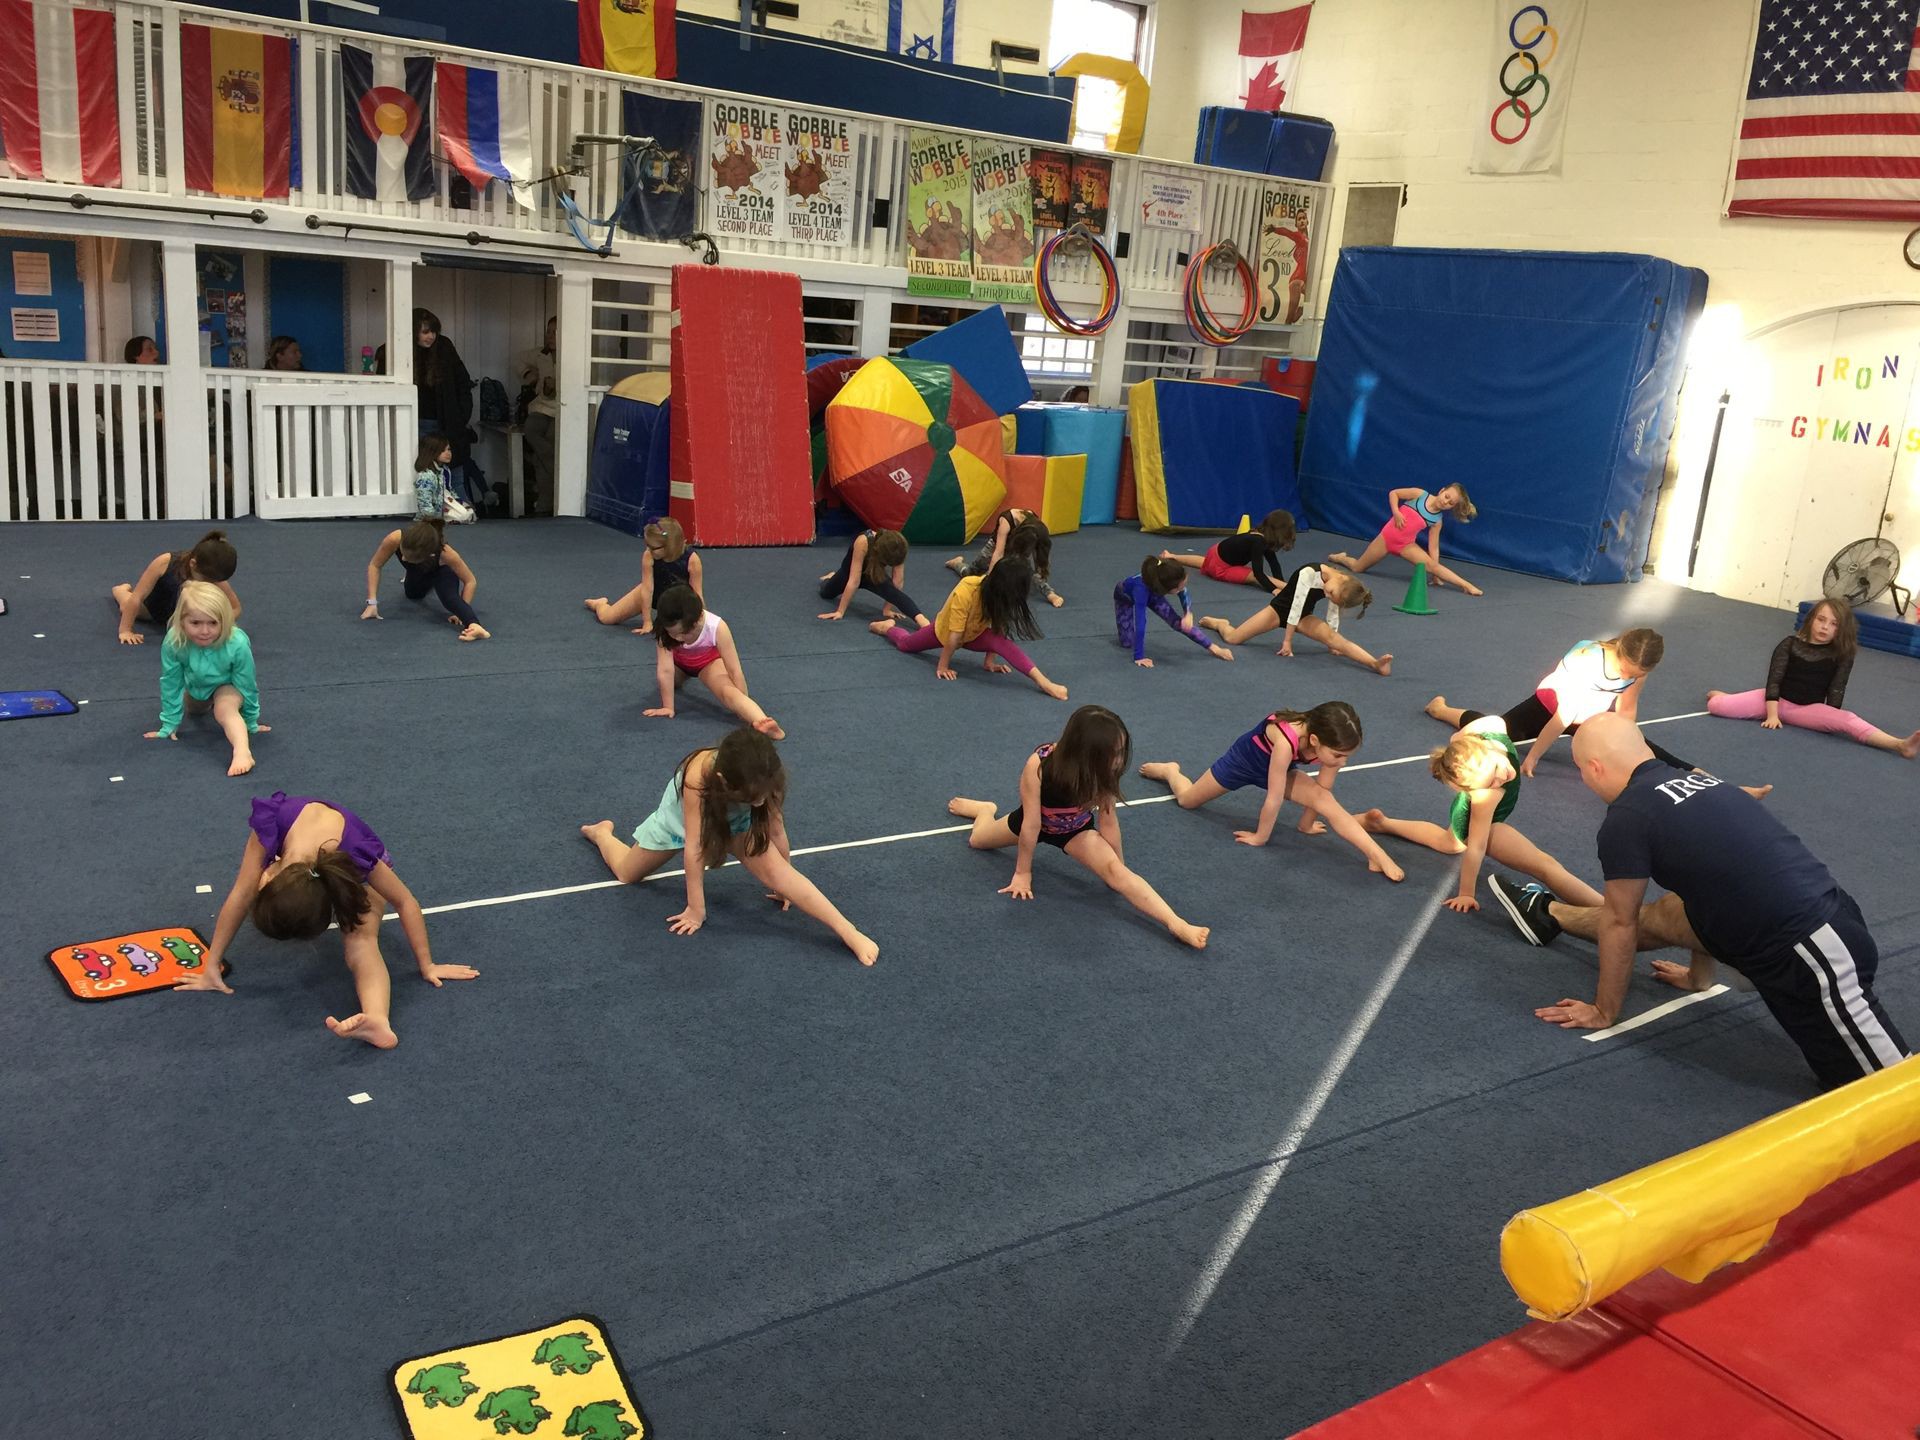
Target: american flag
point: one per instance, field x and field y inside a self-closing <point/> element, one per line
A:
<point x="1831" y="126"/>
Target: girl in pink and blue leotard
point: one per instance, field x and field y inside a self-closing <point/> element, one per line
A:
<point x="1413" y="511"/>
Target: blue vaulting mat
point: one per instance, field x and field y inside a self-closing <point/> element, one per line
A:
<point x="1544" y="382"/>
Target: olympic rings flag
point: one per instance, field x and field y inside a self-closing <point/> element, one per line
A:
<point x="1520" y="123"/>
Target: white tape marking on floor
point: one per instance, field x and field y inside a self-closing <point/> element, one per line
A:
<point x="1235" y="1235"/>
<point x="879" y="840"/>
<point x="203" y="889"/>
<point x="1654" y="1014"/>
<point x="80" y="702"/>
<point x="115" y="779"/>
<point x="359" y="1099"/>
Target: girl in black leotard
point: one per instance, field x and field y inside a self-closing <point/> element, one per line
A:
<point x="876" y="561"/>
<point x="1249" y="558"/>
<point x="154" y="594"/>
<point x="1293" y="607"/>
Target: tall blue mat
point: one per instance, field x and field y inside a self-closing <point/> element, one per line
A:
<point x="1544" y="382"/>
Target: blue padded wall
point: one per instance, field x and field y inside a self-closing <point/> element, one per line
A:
<point x="1544" y="382"/>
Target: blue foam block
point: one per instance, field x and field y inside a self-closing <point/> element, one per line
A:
<point x="982" y="349"/>
<point x="1045" y="429"/>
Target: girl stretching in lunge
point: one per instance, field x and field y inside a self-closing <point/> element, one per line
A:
<point x="428" y="563"/>
<point x="1293" y="607"/>
<point x="1067" y="794"/>
<point x="310" y="864"/>
<point x="1270" y="755"/>
<point x="1483" y="768"/>
<point x="667" y="561"/>
<point x="1160" y="585"/>
<point x="876" y="561"/>
<point x="1413" y="511"/>
<point x="720" y="802"/>
<point x="1015" y="532"/>
<point x="986" y="613"/>
<point x="1249" y="558"/>
<point x="206" y="663"/>
<point x="1807" y="684"/>
<point x="154" y="595"/>
<point x="695" y="643"/>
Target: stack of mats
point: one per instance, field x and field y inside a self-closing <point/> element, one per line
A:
<point x="1049" y="429"/>
<point x="1052" y="486"/>
<point x="1806" y="1340"/>
<point x="739" y="444"/>
<point x="1204" y="455"/>
<point x="1543" y="382"/>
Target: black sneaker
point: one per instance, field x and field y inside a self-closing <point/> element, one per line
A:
<point x="1527" y="905"/>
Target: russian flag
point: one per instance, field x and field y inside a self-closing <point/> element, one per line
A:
<point x="59" y="105"/>
<point x="485" y="128"/>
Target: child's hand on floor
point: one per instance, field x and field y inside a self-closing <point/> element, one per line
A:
<point x="660" y="714"/>
<point x="435" y="973"/>
<point x="207" y="979"/>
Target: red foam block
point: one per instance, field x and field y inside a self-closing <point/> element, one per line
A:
<point x="740" y="465"/>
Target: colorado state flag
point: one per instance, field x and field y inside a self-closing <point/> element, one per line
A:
<point x="634" y="37"/>
<point x="237" y="92"/>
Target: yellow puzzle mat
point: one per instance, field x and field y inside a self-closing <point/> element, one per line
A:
<point x="562" y="1380"/>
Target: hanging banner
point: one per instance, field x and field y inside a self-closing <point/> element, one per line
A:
<point x="1170" y="200"/>
<point x="746" y="146"/>
<point x="1003" y="245"/>
<point x="1092" y="183"/>
<point x="818" y="172"/>
<point x="1529" y="87"/>
<point x="1052" y="172"/>
<point x="663" y="185"/>
<point x="1280" y="252"/>
<point x="939" y="214"/>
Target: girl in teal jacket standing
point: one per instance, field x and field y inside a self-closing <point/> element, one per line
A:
<point x="206" y="663"/>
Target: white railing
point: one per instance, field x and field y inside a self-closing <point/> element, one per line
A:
<point x="326" y="446"/>
<point x="81" y="442"/>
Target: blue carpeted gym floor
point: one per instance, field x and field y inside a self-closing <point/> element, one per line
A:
<point x="1040" y="1172"/>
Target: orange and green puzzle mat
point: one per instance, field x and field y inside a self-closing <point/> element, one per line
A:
<point x="562" y="1381"/>
<point x="130" y="964"/>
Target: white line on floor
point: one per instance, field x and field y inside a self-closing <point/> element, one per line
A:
<point x="1654" y="1014"/>
<point x="877" y="840"/>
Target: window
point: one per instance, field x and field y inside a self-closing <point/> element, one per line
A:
<point x="1099" y="27"/>
<point x="1049" y="355"/>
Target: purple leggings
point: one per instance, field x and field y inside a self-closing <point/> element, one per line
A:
<point x="1752" y="705"/>
<point x="912" y="642"/>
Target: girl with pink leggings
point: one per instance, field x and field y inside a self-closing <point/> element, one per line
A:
<point x="988" y="613"/>
<point x="1807" y="684"/>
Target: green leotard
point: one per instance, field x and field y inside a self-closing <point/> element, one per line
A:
<point x="1509" y="793"/>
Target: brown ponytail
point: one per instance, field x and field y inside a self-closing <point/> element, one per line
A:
<point x="212" y="559"/>
<point x="307" y="896"/>
<point x="746" y="770"/>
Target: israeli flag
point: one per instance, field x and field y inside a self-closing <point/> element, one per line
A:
<point x="922" y="29"/>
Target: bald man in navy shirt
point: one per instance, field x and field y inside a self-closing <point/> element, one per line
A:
<point x="1742" y="889"/>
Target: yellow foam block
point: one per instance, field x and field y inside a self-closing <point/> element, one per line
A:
<point x="1009" y="433"/>
<point x="1712" y="1206"/>
<point x="561" y="1379"/>
<point x="1065" y="488"/>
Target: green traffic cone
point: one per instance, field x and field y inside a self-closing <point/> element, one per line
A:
<point x="1416" y="601"/>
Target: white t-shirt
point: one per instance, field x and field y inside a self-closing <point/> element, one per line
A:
<point x="538" y="365"/>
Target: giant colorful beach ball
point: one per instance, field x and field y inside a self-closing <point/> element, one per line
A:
<point x="910" y="447"/>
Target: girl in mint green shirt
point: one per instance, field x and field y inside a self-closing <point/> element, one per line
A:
<point x="206" y="662"/>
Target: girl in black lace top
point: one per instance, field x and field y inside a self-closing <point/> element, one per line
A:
<point x="1807" y="684"/>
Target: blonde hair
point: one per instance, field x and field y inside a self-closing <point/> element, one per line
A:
<point x="1465" y="510"/>
<point x="1467" y="753"/>
<point x="667" y="537"/>
<point x="202" y="598"/>
<point x="1351" y="593"/>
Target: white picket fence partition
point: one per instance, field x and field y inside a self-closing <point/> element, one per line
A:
<point x="332" y="447"/>
<point x="81" y="442"/>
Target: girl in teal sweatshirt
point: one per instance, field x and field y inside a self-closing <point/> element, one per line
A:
<point x="207" y="663"/>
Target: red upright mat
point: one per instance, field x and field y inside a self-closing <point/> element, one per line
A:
<point x="740" y="465"/>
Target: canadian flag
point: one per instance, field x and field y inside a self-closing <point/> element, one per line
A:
<point x="1270" y="45"/>
<point x="59" y="105"/>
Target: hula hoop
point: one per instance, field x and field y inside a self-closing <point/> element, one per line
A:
<point x="1206" y="326"/>
<point x="1109" y="277"/>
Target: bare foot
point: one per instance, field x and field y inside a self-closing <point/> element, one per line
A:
<point x="1436" y="705"/>
<point x="1910" y="746"/>
<point x="1221" y="652"/>
<point x="1672" y="972"/>
<point x="1759" y="792"/>
<point x="996" y="666"/>
<point x="1214" y="623"/>
<point x="956" y="564"/>
<point x="865" y="949"/>
<point x="599" y="600"/>
<point x="1166" y="554"/>
<point x="770" y="727"/>
<point x="1471" y="589"/>
<point x="879" y="627"/>
<point x="1053" y="688"/>
<point x="476" y="631"/>
<point x="377" y="1033"/>
<point x="242" y="762"/>
<point x="1383" y="666"/>
<point x="1372" y="821"/>
<point x="1158" y="770"/>
<point x="1194" y="935"/>
<point x="1385" y="866"/>
<point x="1713" y="695"/>
<point x="598" y="831"/>
<point x="1340" y="557"/>
<point x="969" y="809"/>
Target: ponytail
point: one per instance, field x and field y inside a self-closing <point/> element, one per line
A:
<point x="307" y="896"/>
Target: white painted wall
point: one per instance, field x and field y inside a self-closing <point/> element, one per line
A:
<point x="978" y="23"/>
<point x="1654" y="109"/>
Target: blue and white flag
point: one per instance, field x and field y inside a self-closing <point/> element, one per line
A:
<point x="922" y="29"/>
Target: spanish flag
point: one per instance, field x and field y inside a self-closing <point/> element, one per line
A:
<point x="634" y="37"/>
<point x="237" y="91"/>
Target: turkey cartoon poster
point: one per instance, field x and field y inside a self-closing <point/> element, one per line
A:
<point x="747" y="150"/>
<point x="939" y="221"/>
<point x="818" y="177"/>
<point x="1003" y="247"/>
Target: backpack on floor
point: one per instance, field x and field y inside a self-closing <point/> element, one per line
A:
<point x="495" y="408"/>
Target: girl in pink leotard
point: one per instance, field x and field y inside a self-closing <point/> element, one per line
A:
<point x="1807" y="684"/>
<point x="988" y="613"/>
<point x="1413" y="511"/>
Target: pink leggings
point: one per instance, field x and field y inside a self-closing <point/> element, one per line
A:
<point x="1752" y="705"/>
<point x="912" y="642"/>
